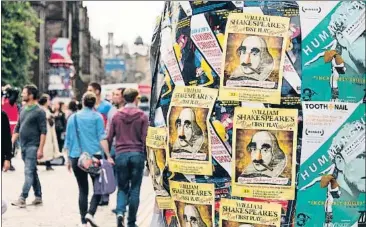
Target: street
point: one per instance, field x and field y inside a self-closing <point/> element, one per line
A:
<point x="60" y="200"/>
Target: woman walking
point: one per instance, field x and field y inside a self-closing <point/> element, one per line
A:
<point x="51" y="150"/>
<point x="85" y="133"/>
<point x="60" y="124"/>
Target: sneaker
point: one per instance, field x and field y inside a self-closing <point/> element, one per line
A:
<point x="89" y="218"/>
<point x="19" y="203"/>
<point x="37" y="201"/>
<point x="120" y="221"/>
<point x="49" y="168"/>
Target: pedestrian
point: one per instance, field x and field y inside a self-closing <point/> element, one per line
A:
<point x="144" y="105"/>
<point x="60" y="124"/>
<point x="9" y="106"/>
<point x="31" y="130"/>
<point x="72" y="108"/>
<point x="6" y="146"/>
<point x="118" y="103"/>
<point x="85" y="133"/>
<point x="129" y="128"/>
<point x="51" y="149"/>
<point x="103" y="107"/>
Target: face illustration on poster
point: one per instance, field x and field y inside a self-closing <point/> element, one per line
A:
<point x="351" y="173"/>
<point x="267" y="157"/>
<point x="256" y="63"/>
<point x="345" y="178"/>
<point x="190" y="135"/>
<point x="192" y="217"/>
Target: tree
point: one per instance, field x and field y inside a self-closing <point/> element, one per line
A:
<point x="18" y="42"/>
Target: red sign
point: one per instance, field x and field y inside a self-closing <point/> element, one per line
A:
<point x="60" y="51"/>
<point x="145" y="89"/>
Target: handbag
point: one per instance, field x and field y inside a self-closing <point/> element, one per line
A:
<point x="105" y="183"/>
<point x="86" y="162"/>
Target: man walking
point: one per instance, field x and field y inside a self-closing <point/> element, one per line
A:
<point x="102" y="106"/>
<point x="129" y="127"/>
<point x="32" y="130"/>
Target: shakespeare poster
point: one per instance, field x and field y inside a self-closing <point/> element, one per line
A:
<point x="333" y="50"/>
<point x="237" y="213"/>
<point x="291" y="83"/>
<point x="264" y="153"/>
<point x="156" y="159"/>
<point x="189" y="140"/>
<point x="332" y="181"/>
<point x="253" y="58"/>
<point x="194" y="203"/>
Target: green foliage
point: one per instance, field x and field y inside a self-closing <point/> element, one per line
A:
<point x="18" y="41"/>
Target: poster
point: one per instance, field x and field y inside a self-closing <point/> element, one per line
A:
<point x="253" y="58"/>
<point x="189" y="143"/>
<point x="194" y="203"/>
<point x="333" y="50"/>
<point x="237" y="213"/>
<point x="170" y="218"/>
<point x="198" y="7"/>
<point x="167" y="54"/>
<point x="291" y="82"/>
<point x="331" y="189"/>
<point x="196" y="50"/>
<point x="156" y="159"/>
<point x="264" y="153"/>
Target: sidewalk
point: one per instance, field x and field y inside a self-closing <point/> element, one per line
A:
<point x="60" y="195"/>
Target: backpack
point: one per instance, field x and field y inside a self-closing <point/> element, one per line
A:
<point x="105" y="183"/>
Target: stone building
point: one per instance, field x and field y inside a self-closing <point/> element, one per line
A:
<point x="96" y="61"/>
<point x="67" y="19"/>
<point x="136" y="58"/>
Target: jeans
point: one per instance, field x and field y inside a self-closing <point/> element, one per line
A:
<point x="129" y="168"/>
<point x="29" y="156"/>
<point x="82" y="180"/>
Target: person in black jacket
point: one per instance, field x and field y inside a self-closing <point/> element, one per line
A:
<point x="6" y="146"/>
<point x="60" y="124"/>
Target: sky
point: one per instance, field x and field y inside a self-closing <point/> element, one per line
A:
<point x="126" y="19"/>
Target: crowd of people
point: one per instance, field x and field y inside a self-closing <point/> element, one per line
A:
<point x="113" y="131"/>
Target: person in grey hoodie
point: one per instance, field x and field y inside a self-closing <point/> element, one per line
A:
<point x="129" y="128"/>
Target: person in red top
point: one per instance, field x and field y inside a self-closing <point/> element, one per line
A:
<point x="8" y="105"/>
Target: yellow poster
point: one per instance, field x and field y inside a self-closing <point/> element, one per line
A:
<point x="264" y="153"/>
<point x="237" y="213"/>
<point x="195" y="203"/>
<point x="156" y="159"/>
<point x="189" y="143"/>
<point x="253" y="58"/>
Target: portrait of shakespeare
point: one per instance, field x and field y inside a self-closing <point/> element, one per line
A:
<point x="256" y="63"/>
<point x="192" y="217"/>
<point x="267" y="158"/>
<point x="190" y="136"/>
